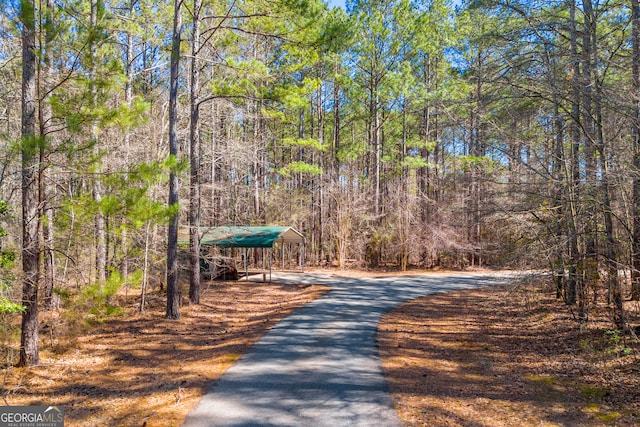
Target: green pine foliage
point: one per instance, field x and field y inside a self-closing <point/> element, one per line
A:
<point x="474" y="124"/>
<point x="300" y="167"/>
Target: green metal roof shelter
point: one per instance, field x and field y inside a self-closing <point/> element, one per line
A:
<point x="247" y="237"/>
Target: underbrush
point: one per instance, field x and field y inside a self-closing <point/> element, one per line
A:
<point x="79" y="310"/>
<point x="596" y="336"/>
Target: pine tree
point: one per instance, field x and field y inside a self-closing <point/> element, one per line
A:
<point x="29" y="353"/>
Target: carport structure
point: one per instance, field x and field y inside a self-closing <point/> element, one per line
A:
<point x="246" y="237"/>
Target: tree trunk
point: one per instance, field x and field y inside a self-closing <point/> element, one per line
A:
<point x="429" y="175"/>
<point x="145" y="269"/>
<point x="434" y="132"/>
<point x="101" y="240"/>
<point x="336" y="122"/>
<point x="588" y="126"/>
<point x="574" y="283"/>
<point x="476" y="150"/>
<point x="377" y="148"/>
<point x="128" y="97"/>
<point x="334" y="189"/>
<point x="613" y="281"/>
<point x="29" y="354"/>
<point x="558" y="162"/>
<point x="51" y="300"/>
<point x="257" y="203"/>
<point x="323" y="178"/>
<point x="195" y="191"/>
<point x="635" y="132"/>
<point x="425" y="212"/>
<point x="173" y="297"/>
<point x="611" y="248"/>
<point x="374" y="131"/>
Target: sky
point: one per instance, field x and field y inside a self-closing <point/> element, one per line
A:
<point x="340" y="3"/>
<point x="333" y="3"/>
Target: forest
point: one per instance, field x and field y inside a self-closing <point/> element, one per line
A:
<point x="392" y="133"/>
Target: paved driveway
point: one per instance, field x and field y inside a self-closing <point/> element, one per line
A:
<point x="320" y="365"/>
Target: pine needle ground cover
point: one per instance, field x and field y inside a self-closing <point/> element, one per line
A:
<point x="141" y="369"/>
<point x="489" y="357"/>
<point x="508" y="356"/>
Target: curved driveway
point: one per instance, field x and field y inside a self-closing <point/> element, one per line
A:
<point x="320" y="366"/>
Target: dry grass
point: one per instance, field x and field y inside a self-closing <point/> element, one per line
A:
<point x="146" y="370"/>
<point x="504" y="357"/>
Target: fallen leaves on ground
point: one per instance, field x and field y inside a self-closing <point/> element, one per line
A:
<point x="142" y="369"/>
<point x="505" y="356"/>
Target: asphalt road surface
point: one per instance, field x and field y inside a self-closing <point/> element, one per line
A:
<point x="320" y="365"/>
